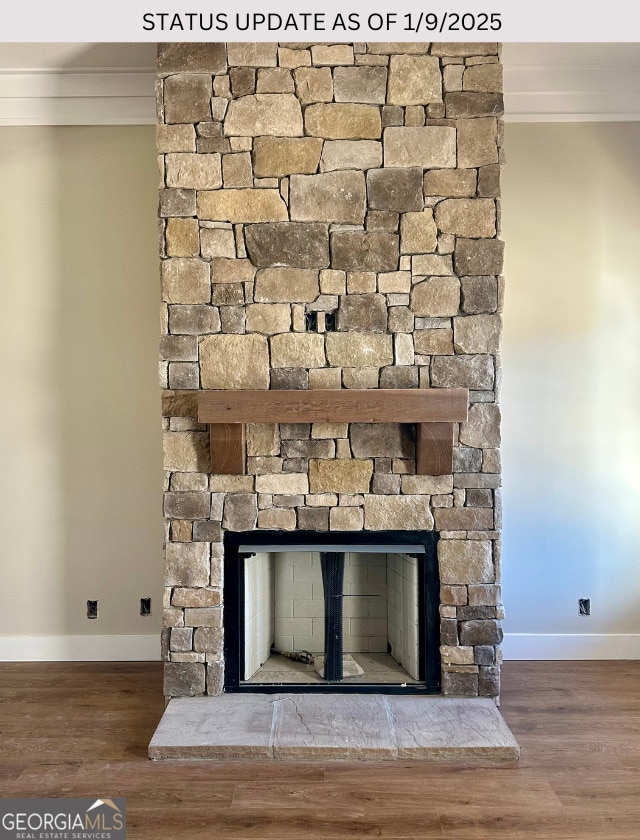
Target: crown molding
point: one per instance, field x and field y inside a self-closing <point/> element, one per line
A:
<point x="535" y="91"/>
<point x="121" y="96"/>
<point x="571" y="92"/>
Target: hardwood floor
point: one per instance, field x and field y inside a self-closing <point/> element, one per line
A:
<point x="82" y="729"/>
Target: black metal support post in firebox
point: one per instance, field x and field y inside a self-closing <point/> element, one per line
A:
<point x="332" y="564"/>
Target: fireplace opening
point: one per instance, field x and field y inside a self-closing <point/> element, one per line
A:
<point x="335" y="612"/>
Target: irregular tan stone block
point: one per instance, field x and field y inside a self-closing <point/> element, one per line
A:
<point x="178" y="348"/>
<point x="429" y="147"/>
<point x="350" y="154"/>
<point x="203" y="617"/>
<point x="280" y="519"/>
<point x="187" y="98"/>
<point x="183" y="597"/>
<point x="194" y="320"/>
<point x="438" y="342"/>
<point x="252" y="54"/>
<point x="290" y="285"/>
<point x="359" y="350"/>
<point x="297" y="350"/>
<point x="283" y="483"/>
<point x="418" y="232"/>
<point x="186" y="564"/>
<point x="275" y="80"/>
<point x="489" y="180"/>
<point x="479" y="294"/>
<point x="337" y="121"/>
<point x="477" y="333"/>
<point x="234" y="362"/>
<point x="382" y="440"/>
<point x="277" y="114"/>
<point x="477" y="142"/>
<point x="465" y="561"/>
<point x="483" y="78"/>
<point x="325" y="378"/>
<point x="194" y="171"/>
<point x="414" y="80"/>
<point x="242" y="206"/>
<point x="362" y="313"/>
<point x="186" y="451"/>
<point x="296" y="244"/>
<point x="332" y="55"/>
<point x="364" y="377"/>
<point x="436" y="297"/>
<point x="314" y="84"/>
<point x="478" y="256"/>
<point x="231" y="483"/>
<point x="185" y="281"/>
<point x="337" y="197"/>
<point x="475" y="372"/>
<point x="365" y="251"/>
<point x="482" y="429"/>
<point x="293" y="58"/>
<point x="394" y="282"/>
<point x="346" y="519"/>
<point x="183" y="679"/>
<point x="268" y="318"/>
<point x="464" y="519"/>
<point x="275" y="157"/>
<point x="175" y="202"/>
<point x="176" y="57"/>
<point x="427" y="485"/>
<point x="262" y="439"/>
<point x="207" y="639"/>
<point x="436" y="265"/>
<point x="464" y="104"/>
<point x="342" y="476"/>
<point x="454" y="183"/>
<point x="403" y="513"/>
<point x="360" y="84"/>
<point x="181" y="238"/>
<point x="217" y="242"/>
<point x="240" y="512"/>
<point x="398" y="190"/>
<point x="470" y="217"/>
<point x="225" y="270"/>
<point x="236" y="170"/>
<point x="323" y="431"/>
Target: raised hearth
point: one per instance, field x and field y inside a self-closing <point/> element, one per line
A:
<point x="332" y="727"/>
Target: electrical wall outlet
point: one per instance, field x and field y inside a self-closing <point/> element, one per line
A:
<point x="92" y="609"/>
<point x="145" y="606"/>
<point x="584" y="606"/>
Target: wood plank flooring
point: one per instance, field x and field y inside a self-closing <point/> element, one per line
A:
<point x="82" y="729"/>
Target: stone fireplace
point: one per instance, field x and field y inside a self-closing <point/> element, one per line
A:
<point x="329" y="221"/>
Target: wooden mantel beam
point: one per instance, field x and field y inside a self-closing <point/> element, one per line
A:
<point x="434" y="410"/>
<point x="414" y="405"/>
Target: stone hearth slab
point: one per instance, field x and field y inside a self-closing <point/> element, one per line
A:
<point x="328" y="727"/>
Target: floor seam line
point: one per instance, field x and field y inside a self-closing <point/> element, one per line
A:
<point x="391" y="722"/>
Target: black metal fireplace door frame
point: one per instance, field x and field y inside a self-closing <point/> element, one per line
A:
<point x="428" y="604"/>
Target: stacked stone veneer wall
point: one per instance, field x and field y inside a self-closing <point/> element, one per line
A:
<point x="359" y="182"/>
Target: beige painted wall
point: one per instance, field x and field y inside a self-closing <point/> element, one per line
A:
<point x="571" y="395"/>
<point x="80" y="445"/>
<point x="80" y="441"/>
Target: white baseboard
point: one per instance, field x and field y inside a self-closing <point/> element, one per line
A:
<point x="532" y="646"/>
<point x="80" y="648"/>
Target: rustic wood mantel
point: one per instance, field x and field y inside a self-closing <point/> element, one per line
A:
<point x="433" y="410"/>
